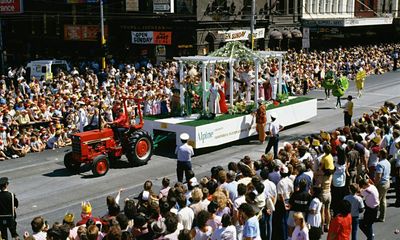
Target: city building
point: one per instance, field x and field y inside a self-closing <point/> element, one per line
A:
<point x="157" y="30"/>
<point x="349" y="22"/>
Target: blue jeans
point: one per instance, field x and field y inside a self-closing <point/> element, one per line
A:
<point x="354" y="227"/>
<point x="266" y="226"/>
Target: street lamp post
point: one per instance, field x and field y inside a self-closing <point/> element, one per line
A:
<point x="252" y="22"/>
<point x="103" y="39"/>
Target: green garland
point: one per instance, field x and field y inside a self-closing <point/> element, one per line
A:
<point x="237" y="50"/>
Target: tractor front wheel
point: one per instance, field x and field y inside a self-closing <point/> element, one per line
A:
<point x="100" y="166"/>
<point x="139" y="148"/>
<point x="70" y="164"/>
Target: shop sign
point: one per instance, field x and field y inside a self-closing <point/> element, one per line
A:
<point x="163" y="6"/>
<point x="239" y="35"/>
<point x="132" y="5"/>
<point x="163" y="38"/>
<point x="160" y="50"/>
<point x="306" y="33"/>
<point x="160" y="38"/>
<point x="83" y="1"/>
<point x="305" y="43"/>
<point x="11" y="6"/>
<point x="142" y="37"/>
<point x="83" y="32"/>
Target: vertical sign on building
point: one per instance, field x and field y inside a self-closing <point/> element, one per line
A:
<point x="132" y="5"/>
<point x="306" y="38"/>
<point x="163" y="6"/>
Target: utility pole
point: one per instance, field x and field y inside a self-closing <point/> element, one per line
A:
<point x="252" y="22"/>
<point x="103" y="39"/>
<point x="2" y="67"/>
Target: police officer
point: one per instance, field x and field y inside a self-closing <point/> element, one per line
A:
<point x="273" y="131"/>
<point x="184" y="153"/>
<point x="8" y="204"/>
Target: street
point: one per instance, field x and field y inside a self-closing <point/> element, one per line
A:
<point x="44" y="187"/>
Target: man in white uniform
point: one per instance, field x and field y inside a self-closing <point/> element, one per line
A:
<point x="184" y="153"/>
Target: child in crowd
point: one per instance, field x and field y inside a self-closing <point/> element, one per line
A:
<point x="314" y="214"/>
<point x="357" y="207"/>
<point x="301" y="230"/>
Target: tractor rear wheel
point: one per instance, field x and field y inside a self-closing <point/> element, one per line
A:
<point x="100" y="165"/>
<point x="139" y="148"/>
<point x="70" y="164"/>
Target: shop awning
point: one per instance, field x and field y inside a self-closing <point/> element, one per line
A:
<point x="296" y="33"/>
<point x="286" y="34"/>
<point x="276" y="35"/>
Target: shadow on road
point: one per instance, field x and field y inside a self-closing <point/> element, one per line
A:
<point x="61" y="172"/>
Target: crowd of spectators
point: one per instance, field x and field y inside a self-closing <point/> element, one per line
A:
<point x="36" y="114"/>
<point x="330" y="183"/>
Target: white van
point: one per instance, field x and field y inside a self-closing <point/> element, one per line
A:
<point x="46" y="68"/>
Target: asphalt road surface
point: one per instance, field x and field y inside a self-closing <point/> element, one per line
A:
<point x="44" y="187"/>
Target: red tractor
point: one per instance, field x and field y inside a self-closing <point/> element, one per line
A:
<point x="99" y="147"/>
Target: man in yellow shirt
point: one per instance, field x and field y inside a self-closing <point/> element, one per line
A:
<point x="326" y="164"/>
<point x="23" y="118"/>
<point x="348" y="111"/>
<point x="327" y="167"/>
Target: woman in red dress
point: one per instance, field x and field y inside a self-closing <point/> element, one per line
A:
<point x="221" y="91"/>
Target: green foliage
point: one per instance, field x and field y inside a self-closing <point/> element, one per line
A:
<point x="236" y="50"/>
<point x="250" y="107"/>
<point x="283" y="97"/>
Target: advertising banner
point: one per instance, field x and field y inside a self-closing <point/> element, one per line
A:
<point x="239" y="35"/>
<point x="11" y="6"/>
<point x="162" y="38"/>
<point x="159" y="38"/>
<point x="229" y="130"/>
<point x="83" y="32"/>
<point x="142" y="37"/>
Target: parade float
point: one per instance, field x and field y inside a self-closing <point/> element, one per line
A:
<point x="208" y="130"/>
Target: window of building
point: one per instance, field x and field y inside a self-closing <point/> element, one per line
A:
<point x="327" y="6"/>
<point x="145" y="6"/>
<point x="314" y="7"/>
<point x="280" y="8"/>
<point x="291" y="7"/>
<point x="366" y="5"/>
<point x="184" y="6"/>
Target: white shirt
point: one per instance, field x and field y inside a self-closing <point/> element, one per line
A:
<point x="300" y="234"/>
<point x="315" y="219"/>
<point x="186" y="216"/>
<point x="224" y="233"/>
<point x="269" y="189"/>
<point x="274" y="128"/>
<point x="83" y="120"/>
<point x="285" y="187"/>
<point x="371" y="196"/>
<point x="238" y="201"/>
<point x="184" y="152"/>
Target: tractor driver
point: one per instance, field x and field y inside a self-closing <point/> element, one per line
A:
<point x="120" y="125"/>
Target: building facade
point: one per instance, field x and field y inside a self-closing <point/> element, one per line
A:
<point x="350" y="22"/>
<point x="163" y="29"/>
